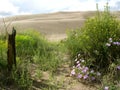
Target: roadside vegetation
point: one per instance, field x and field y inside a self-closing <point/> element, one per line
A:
<point x="96" y="51"/>
<point x="33" y="51"/>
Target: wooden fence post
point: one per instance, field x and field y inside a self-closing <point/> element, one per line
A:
<point x="11" y="53"/>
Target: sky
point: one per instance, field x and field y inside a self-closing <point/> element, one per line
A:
<point x="22" y="7"/>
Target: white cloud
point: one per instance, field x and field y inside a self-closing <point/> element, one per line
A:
<point x="15" y="7"/>
<point x="7" y="7"/>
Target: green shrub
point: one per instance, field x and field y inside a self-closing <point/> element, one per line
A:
<point x="32" y="46"/>
<point x="97" y="46"/>
<point x="92" y="39"/>
<point x="27" y="43"/>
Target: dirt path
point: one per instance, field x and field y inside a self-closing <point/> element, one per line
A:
<point x="67" y="82"/>
<point x="70" y="83"/>
<point x="61" y="79"/>
<point x="56" y="37"/>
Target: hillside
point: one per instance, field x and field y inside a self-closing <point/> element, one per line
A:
<point x="52" y="25"/>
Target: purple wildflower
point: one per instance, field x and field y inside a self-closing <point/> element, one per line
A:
<point x="118" y="67"/>
<point x="106" y="88"/>
<point x="78" y="65"/>
<point x="85" y="77"/>
<point x="86" y="68"/>
<point x="79" y="76"/>
<point x="93" y="78"/>
<point x="116" y="43"/>
<point x="80" y="68"/>
<point x="84" y="71"/>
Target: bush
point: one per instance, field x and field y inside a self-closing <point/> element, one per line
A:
<point x="27" y="43"/>
<point x="97" y="46"/>
<point x="92" y="39"/>
<point x="31" y="45"/>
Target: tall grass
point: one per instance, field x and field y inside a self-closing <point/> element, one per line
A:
<point x="31" y="48"/>
<point x="34" y="47"/>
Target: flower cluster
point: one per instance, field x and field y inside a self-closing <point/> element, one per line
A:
<point x="112" y="43"/>
<point x="81" y="71"/>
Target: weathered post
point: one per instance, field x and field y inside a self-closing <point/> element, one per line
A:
<point x="11" y="53"/>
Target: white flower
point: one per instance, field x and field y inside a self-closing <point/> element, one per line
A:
<point x="73" y="67"/>
<point x="92" y="71"/>
<point x="82" y="60"/>
<point x="78" y="62"/>
<point x="75" y="59"/>
<point x="108" y="44"/>
<point x="106" y="88"/>
<point x="110" y="40"/>
<point x="98" y="74"/>
<point x="79" y="55"/>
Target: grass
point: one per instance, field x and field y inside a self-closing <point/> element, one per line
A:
<point x="32" y="49"/>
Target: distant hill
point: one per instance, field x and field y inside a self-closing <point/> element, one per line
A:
<point x="51" y="24"/>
